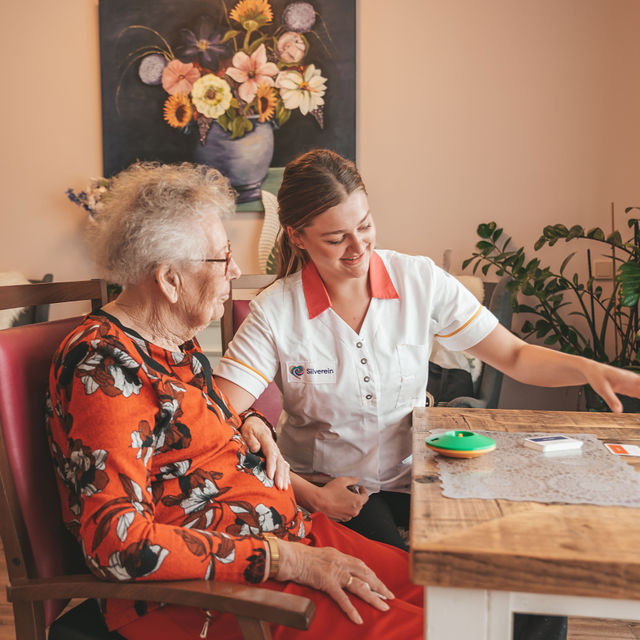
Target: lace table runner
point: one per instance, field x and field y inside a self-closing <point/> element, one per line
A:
<point x="590" y="475"/>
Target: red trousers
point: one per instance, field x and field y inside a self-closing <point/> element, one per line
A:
<point x="403" y="620"/>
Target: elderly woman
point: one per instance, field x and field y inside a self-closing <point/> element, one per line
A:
<point x="156" y="480"/>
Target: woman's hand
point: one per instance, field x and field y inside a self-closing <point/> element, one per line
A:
<point x="533" y="364"/>
<point x="335" y="573"/>
<point x="339" y="502"/>
<point x="258" y="436"/>
<point x="607" y="381"/>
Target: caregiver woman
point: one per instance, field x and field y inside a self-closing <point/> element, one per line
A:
<point x="346" y="332"/>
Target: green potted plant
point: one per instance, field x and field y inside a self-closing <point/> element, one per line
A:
<point x="575" y="314"/>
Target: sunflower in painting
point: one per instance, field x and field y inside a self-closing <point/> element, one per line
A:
<point x="252" y="14"/>
<point x="178" y="110"/>
<point x="266" y="101"/>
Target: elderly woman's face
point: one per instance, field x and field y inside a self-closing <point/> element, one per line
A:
<point x="207" y="284"/>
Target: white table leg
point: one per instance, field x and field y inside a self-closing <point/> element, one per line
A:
<point x="472" y="614"/>
<point x="476" y="614"/>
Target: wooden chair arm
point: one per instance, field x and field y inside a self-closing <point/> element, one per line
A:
<point x="240" y="600"/>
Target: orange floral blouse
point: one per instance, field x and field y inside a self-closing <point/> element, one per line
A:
<point x="156" y="481"/>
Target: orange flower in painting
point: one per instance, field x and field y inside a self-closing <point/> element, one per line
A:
<point x="266" y="99"/>
<point x="252" y="14"/>
<point x="178" y="110"/>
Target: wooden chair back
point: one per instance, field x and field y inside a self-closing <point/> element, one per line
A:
<point x="244" y="288"/>
<point x="24" y="295"/>
<point x="36" y="312"/>
<point x="36" y="543"/>
<point x="236" y="309"/>
<point x="489" y="385"/>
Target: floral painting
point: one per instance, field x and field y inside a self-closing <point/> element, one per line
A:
<point x="241" y="85"/>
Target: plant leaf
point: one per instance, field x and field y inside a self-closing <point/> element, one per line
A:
<point x="540" y="242"/>
<point x="486" y="229"/>
<point x="615" y="238"/>
<point x="565" y="262"/>
<point x="232" y="33"/>
<point x="575" y="232"/>
<point x="237" y="127"/>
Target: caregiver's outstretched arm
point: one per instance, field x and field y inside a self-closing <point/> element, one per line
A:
<point x="545" y="367"/>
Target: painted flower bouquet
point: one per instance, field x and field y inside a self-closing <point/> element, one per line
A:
<point x="235" y="70"/>
<point x="92" y="199"/>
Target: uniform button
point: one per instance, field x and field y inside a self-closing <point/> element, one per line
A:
<point x="368" y="396"/>
<point x="358" y="344"/>
<point x="363" y="361"/>
<point x="366" y="378"/>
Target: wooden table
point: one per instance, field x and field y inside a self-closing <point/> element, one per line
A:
<point x="483" y="560"/>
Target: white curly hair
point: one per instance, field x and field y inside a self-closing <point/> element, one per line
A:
<point x="156" y="214"/>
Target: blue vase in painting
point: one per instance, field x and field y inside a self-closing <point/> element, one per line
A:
<point x="245" y="161"/>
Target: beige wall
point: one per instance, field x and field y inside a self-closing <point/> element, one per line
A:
<point x="523" y="111"/>
<point x="51" y="132"/>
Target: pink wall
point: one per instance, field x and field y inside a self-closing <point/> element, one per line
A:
<point x="51" y="132"/>
<point x="526" y="113"/>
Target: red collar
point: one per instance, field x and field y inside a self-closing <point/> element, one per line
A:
<point x="316" y="294"/>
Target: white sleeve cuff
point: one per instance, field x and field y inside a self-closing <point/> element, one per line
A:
<point x="243" y="375"/>
<point x="476" y="329"/>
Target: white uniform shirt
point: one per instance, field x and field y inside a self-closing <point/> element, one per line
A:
<point x="348" y="396"/>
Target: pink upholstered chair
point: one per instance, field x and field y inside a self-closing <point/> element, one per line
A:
<point x="236" y="310"/>
<point x="44" y="562"/>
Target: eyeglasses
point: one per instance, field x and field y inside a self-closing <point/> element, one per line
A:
<point x="226" y="259"/>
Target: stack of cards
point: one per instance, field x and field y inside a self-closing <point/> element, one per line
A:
<point x="552" y="443"/>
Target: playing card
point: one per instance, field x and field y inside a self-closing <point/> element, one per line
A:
<point x="623" y="449"/>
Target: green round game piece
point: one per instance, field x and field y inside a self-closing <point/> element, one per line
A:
<point x="461" y="443"/>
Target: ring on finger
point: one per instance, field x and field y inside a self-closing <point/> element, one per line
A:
<point x="349" y="581"/>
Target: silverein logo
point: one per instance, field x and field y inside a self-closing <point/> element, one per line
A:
<point x="311" y="372"/>
<point x="296" y="370"/>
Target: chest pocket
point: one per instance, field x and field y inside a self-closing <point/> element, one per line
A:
<point x="309" y="387"/>
<point x="413" y="362"/>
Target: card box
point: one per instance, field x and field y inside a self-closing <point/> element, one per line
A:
<point x="552" y="443"/>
